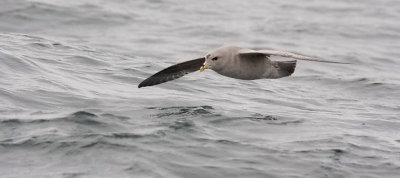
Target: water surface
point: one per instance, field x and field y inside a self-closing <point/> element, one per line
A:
<point x="70" y="106"/>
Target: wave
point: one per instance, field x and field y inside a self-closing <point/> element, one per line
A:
<point x="39" y="73"/>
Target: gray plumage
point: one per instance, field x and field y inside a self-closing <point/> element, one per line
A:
<point x="235" y="62"/>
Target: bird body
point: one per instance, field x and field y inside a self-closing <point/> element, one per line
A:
<point x="235" y="62"/>
<point x="252" y="66"/>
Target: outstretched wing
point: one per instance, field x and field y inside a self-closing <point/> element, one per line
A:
<point x="286" y="54"/>
<point x="173" y="72"/>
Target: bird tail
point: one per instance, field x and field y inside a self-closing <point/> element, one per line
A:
<point x="286" y="68"/>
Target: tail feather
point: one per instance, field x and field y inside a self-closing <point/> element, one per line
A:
<point x="286" y="68"/>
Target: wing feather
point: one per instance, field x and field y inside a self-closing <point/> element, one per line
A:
<point x="173" y="72"/>
<point x="286" y="54"/>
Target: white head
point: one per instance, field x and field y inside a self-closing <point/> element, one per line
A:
<point x="217" y="58"/>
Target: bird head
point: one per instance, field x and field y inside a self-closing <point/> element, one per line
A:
<point x="216" y="59"/>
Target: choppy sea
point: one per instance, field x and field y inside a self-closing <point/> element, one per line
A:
<point x="70" y="106"/>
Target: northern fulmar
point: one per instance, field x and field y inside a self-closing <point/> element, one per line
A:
<point x="235" y="62"/>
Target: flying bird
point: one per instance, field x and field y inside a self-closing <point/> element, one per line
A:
<point x="235" y="62"/>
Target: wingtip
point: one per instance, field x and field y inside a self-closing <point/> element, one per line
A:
<point x="335" y="62"/>
<point x="346" y="63"/>
<point x="140" y="85"/>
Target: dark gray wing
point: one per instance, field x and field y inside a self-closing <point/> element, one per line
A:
<point x="173" y="72"/>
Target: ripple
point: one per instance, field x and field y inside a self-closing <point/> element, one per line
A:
<point x="182" y="111"/>
<point x="182" y="124"/>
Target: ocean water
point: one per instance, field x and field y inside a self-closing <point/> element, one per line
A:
<point x="70" y="106"/>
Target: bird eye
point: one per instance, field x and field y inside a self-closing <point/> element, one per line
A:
<point x="214" y="59"/>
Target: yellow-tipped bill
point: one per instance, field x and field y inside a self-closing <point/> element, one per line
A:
<point x="205" y="66"/>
